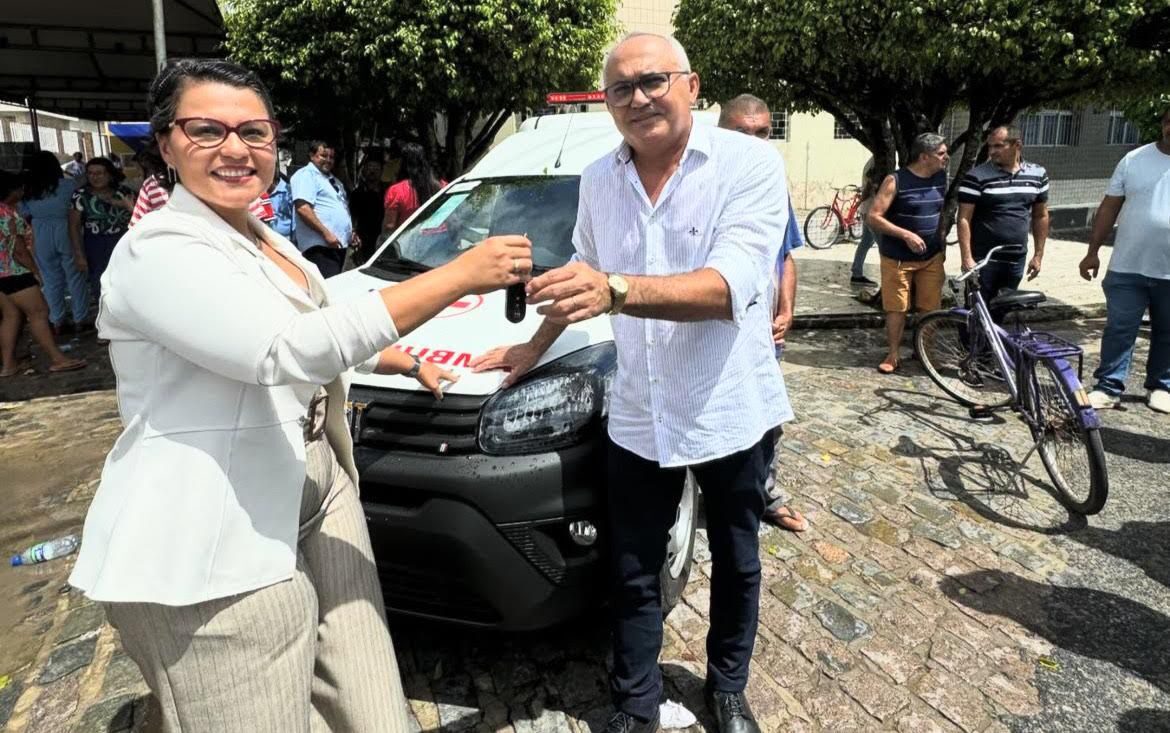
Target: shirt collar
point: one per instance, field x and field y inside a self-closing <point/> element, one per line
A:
<point x="699" y="141"/>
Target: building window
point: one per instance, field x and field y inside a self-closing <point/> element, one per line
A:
<point x="21" y="133"/>
<point x="1121" y="131"/>
<point x="839" y="131"/>
<point x="1050" y="128"/>
<point x="779" y="126"/>
<point x="49" y="139"/>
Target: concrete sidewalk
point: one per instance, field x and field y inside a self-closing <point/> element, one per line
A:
<point x="825" y="299"/>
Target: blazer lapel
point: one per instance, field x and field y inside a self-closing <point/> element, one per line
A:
<point x="184" y="201"/>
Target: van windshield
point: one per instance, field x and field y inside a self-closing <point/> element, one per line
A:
<point x="543" y="207"/>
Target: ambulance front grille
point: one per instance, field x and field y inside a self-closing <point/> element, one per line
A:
<point x="415" y="421"/>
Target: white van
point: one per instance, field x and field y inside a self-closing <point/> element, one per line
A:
<point x="488" y="507"/>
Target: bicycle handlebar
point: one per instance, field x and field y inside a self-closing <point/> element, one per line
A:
<point x="1014" y="249"/>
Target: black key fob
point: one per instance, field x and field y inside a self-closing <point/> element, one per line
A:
<point x="515" y="303"/>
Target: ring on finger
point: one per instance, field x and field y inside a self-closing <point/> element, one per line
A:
<point x="515" y="266"/>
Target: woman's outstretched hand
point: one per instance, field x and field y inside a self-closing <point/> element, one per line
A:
<point x="496" y="263"/>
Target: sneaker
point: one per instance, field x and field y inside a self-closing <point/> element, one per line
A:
<point x="1159" y="401"/>
<point x="861" y="280"/>
<point x="1103" y="400"/>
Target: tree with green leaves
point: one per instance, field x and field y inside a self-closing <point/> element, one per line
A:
<point x="889" y="70"/>
<point x="1145" y="113"/>
<point x="446" y="73"/>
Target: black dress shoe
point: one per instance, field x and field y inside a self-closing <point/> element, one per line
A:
<point x="731" y="711"/>
<point x="621" y="722"/>
<point x="861" y="280"/>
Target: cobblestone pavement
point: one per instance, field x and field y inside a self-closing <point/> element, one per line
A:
<point x="931" y="594"/>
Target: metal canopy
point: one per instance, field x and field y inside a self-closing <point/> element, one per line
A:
<point x="95" y="58"/>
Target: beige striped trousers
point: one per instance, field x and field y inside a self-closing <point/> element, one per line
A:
<point x="309" y="654"/>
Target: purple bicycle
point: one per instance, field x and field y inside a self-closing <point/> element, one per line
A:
<point x="1036" y="374"/>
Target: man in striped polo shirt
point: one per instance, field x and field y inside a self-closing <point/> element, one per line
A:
<point x="999" y="202"/>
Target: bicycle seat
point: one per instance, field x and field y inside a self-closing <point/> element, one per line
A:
<point x="1016" y="299"/>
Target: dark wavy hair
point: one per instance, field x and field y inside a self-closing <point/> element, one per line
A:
<point x="417" y="168"/>
<point x="43" y="175"/>
<point x="116" y="176"/>
<point x="168" y="86"/>
<point x="9" y="182"/>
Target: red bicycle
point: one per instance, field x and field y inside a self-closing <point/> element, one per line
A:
<point x="826" y="225"/>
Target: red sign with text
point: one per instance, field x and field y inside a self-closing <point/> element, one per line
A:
<point x="574" y="97"/>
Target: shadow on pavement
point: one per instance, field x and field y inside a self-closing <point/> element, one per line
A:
<point x="984" y="476"/>
<point x="472" y="673"/>
<point x="1144" y="544"/>
<point x="1144" y="720"/>
<point x="36" y="382"/>
<point x="1084" y="621"/>
<point x="1137" y="446"/>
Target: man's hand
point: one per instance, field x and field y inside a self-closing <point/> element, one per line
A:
<point x="354" y="240"/>
<point x="575" y="292"/>
<point x="1034" y="267"/>
<point x="516" y="360"/>
<point x="333" y="241"/>
<point x="431" y="377"/>
<point x="780" y="325"/>
<point x="1090" y="266"/>
<point x="914" y="242"/>
<point x="968" y="263"/>
<point x="80" y="264"/>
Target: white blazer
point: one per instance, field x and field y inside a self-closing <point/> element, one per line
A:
<point x="217" y="353"/>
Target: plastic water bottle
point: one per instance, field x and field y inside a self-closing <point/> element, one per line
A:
<point x="43" y="551"/>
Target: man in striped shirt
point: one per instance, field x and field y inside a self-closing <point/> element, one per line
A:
<point x="999" y="202"/>
<point x="677" y="232"/>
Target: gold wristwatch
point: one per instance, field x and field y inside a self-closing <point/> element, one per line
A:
<point x="619" y="288"/>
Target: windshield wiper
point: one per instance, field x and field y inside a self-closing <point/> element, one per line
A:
<point x="399" y="266"/>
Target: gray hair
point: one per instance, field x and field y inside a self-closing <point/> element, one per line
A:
<point x="744" y="104"/>
<point x="925" y="144"/>
<point x="680" y="53"/>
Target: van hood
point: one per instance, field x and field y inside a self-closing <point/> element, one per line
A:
<point x="462" y="331"/>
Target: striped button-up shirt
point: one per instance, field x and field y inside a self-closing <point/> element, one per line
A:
<point x="690" y="392"/>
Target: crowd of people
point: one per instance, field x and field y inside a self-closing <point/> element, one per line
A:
<point x="236" y="454"/>
<point x="73" y="216"/>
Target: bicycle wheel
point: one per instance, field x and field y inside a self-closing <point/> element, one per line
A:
<point x="1072" y="453"/>
<point x="855" y="228"/>
<point x="960" y="363"/>
<point x="822" y="227"/>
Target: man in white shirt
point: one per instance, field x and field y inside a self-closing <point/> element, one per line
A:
<point x="1139" y="271"/>
<point x="677" y="231"/>
<point x="75" y="168"/>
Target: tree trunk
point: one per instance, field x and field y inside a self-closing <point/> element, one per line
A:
<point x="456" y="142"/>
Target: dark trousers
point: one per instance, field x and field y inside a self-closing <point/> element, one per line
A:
<point x="99" y="248"/>
<point x="643" y="500"/>
<point x="997" y="276"/>
<point x="329" y="260"/>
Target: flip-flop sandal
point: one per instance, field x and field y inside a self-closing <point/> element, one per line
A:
<point x="887" y="366"/>
<point x="69" y="366"/>
<point x="784" y="513"/>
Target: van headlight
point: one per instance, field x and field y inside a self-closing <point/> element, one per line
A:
<point x="552" y="408"/>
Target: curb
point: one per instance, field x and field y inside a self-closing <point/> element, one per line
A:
<point x="877" y="319"/>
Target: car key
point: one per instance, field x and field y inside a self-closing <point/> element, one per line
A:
<point x="515" y="301"/>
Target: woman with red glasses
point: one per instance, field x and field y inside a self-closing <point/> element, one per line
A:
<point x="226" y="540"/>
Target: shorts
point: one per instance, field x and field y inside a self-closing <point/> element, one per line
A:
<point x="16" y="283"/>
<point x="925" y="276"/>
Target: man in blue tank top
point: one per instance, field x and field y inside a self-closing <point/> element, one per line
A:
<point x="906" y="216"/>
